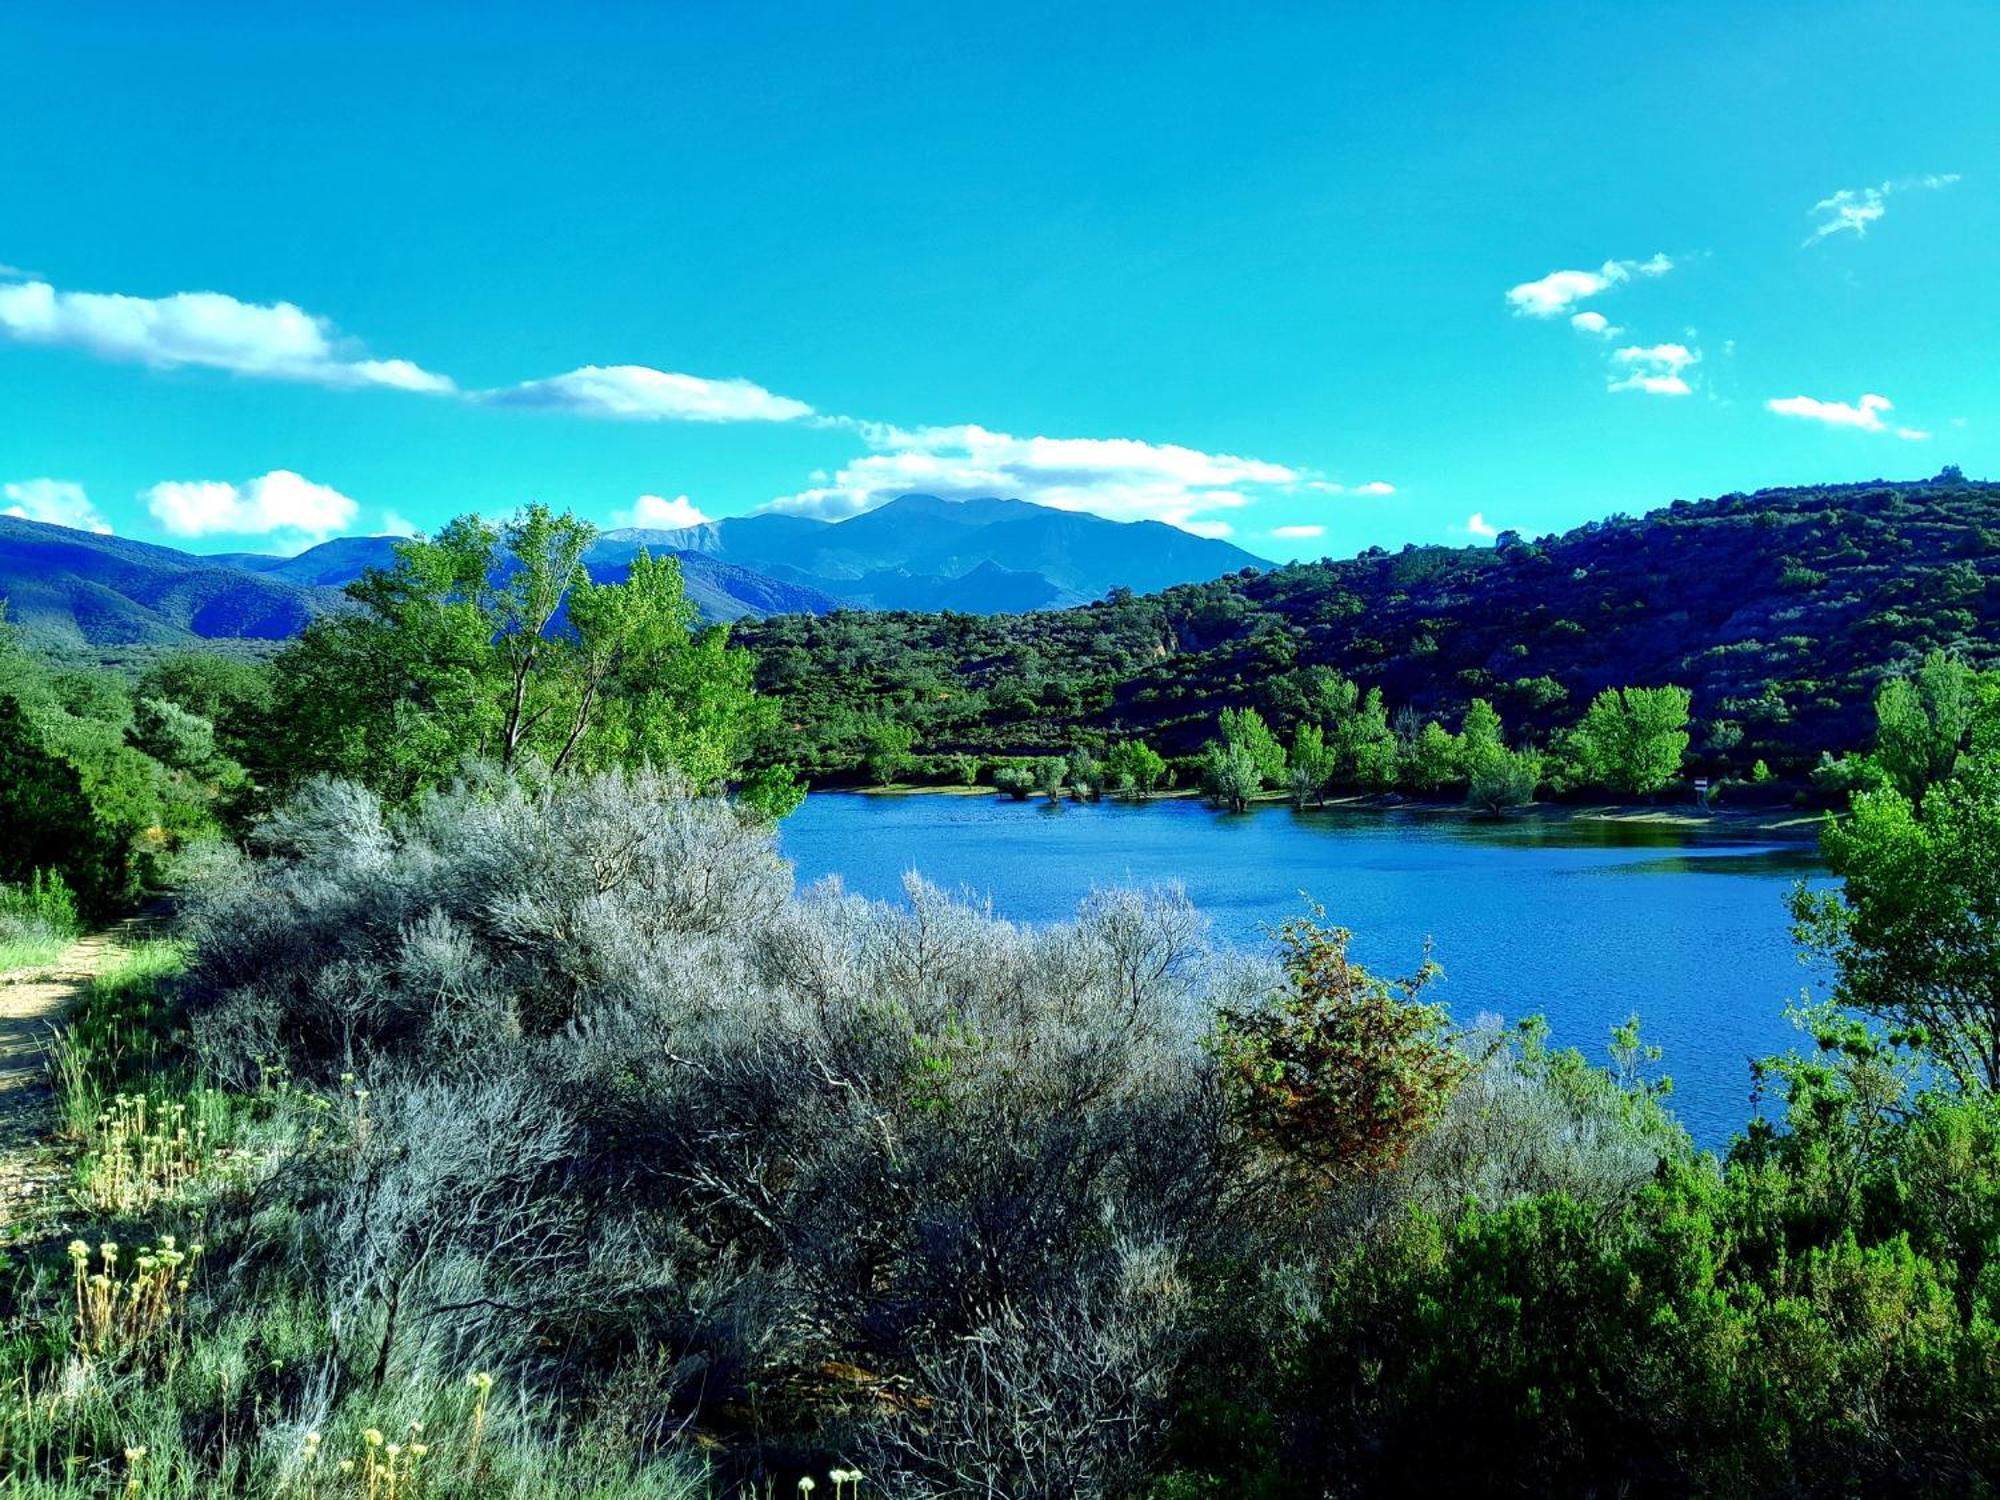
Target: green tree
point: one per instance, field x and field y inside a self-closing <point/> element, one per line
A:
<point x="1231" y="775"/>
<point x="1914" y="930"/>
<point x="1340" y="1071"/>
<point x="1244" y="729"/>
<point x="495" y="642"/>
<point x="1136" y="766"/>
<point x="173" y="736"/>
<point x="1049" y="772"/>
<point x="1481" y="732"/>
<point x="1432" y="759"/>
<point x="1924" y="722"/>
<point x="1496" y="777"/>
<point x="1312" y="765"/>
<point x="885" y="753"/>
<point x="1015" y="781"/>
<point x="1632" y="740"/>
<point x="1502" y="779"/>
<point x="48" y="822"/>
<point x="1364" y="744"/>
<point x="234" y="696"/>
<point x="1087" y="776"/>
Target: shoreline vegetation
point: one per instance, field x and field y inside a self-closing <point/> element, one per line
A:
<point x="501" y="1118"/>
<point x="1776" y="822"/>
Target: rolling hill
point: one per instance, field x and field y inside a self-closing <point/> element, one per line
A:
<point x="76" y="588"/>
<point x="1781" y="611"/>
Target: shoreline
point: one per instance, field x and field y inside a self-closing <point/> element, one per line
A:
<point x="1789" y="823"/>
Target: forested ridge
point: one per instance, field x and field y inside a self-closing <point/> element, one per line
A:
<point x="1780" y="612"/>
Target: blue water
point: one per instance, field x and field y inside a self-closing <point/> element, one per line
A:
<point x="1582" y="922"/>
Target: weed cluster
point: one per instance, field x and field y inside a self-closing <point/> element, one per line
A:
<point x="131" y="1313"/>
<point x="143" y="1152"/>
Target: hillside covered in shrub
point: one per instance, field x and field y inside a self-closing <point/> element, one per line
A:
<point x="1779" y="611"/>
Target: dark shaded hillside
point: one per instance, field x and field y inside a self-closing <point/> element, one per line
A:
<point x="69" y="588"/>
<point x="1780" y="611"/>
<point x="84" y="595"/>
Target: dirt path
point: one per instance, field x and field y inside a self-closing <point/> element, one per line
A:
<point x="32" y="1002"/>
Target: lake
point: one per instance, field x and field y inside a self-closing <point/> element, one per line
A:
<point x="1582" y="921"/>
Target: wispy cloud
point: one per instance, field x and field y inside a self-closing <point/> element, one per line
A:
<point x="278" y="502"/>
<point x="1123" y="479"/>
<point x="56" y="501"/>
<point x="1329" y="487"/>
<point x="1298" y="533"/>
<point x="1654" y="369"/>
<point x="1864" y="415"/>
<point x="1559" y="291"/>
<point x="640" y="393"/>
<point x="657" y="513"/>
<point x="1595" y="323"/>
<point x="1853" y="210"/>
<point x="1476" y="524"/>
<point x="274" y="341"/>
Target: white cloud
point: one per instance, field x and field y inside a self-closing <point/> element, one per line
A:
<point x="1477" y="524"/>
<point x="1123" y="479"/>
<point x="1375" y="487"/>
<point x="56" y="501"/>
<point x="1215" y="531"/>
<point x="1558" y="291"/>
<point x="396" y="525"/>
<point x="15" y="273"/>
<point x="1864" y="415"/>
<point x="1655" y="369"/>
<point x="278" y="340"/>
<point x="644" y="394"/>
<point x="657" y="513"/>
<point x="1852" y="210"/>
<point x="1595" y="323"/>
<point x="280" y="501"/>
<point x="1291" y="533"/>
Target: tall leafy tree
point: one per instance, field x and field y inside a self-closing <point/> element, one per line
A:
<point x="1924" y="722"/>
<point x="1230" y="774"/>
<point x="1244" y="729"/>
<point x="1632" y="740"/>
<point x="1363" y="742"/>
<point x="1136" y="766"/>
<point x="47" y="821"/>
<point x="1914" y="930"/>
<point x="496" y="642"/>
<point x="1431" y="759"/>
<point x="1496" y="777"/>
<point x="1313" y="765"/>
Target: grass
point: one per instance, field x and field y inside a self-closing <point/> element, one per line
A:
<point x="126" y="1030"/>
<point x="132" y="1365"/>
<point x="32" y="950"/>
<point x="38" y="920"/>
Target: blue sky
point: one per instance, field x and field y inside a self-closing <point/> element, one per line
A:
<point x="1281" y="274"/>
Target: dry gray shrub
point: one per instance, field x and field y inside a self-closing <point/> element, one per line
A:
<point x="644" y="1121"/>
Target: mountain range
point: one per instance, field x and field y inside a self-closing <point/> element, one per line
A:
<point x="919" y="552"/>
<point x="975" y="556"/>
